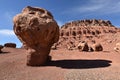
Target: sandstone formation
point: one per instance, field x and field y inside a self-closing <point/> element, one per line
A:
<point x="11" y="45"/>
<point x="1" y="48"/>
<point x="91" y="31"/>
<point x="37" y="30"/>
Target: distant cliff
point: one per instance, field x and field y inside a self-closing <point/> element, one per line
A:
<point x="89" y="31"/>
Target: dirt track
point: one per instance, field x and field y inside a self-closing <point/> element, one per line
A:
<point x="65" y="65"/>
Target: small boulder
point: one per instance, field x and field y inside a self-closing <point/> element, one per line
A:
<point x="11" y="45"/>
<point x="54" y="46"/>
<point x="97" y="47"/>
<point x="83" y="46"/>
<point x="117" y="47"/>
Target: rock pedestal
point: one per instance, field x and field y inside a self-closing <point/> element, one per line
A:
<point x="38" y="31"/>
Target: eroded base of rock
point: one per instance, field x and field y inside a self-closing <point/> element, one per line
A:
<point x="37" y="60"/>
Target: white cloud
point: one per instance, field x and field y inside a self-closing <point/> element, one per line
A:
<point x="7" y="32"/>
<point x="97" y="7"/>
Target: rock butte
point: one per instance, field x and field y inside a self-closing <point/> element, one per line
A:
<point x="91" y="31"/>
<point x="37" y="30"/>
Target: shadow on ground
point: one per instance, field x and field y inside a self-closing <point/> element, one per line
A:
<point x="80" y="64"/>
<point x="4" y="52"/>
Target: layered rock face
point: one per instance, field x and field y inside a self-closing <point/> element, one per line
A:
<point x="37" y="30"/>
<point x="90" y="31"/>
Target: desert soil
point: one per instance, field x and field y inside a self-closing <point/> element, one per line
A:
<point x="65" y="65"/>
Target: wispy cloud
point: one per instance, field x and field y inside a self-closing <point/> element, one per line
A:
<point x="97" y="6"/>
<point x="7" y="35"/>
<point x="7" y="32"/>
<point x="8" y="16"/>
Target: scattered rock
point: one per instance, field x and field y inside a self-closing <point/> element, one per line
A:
<point x="11" y="45"/>
<point x="97" y="47"/>
<point x="117" y="47"/>
<point x="54" y="47"/>
<point x="37" y="30"/>
<point x="91" y="49"/>
<point x="1" y="48"/>
<point x="83" y="46"/>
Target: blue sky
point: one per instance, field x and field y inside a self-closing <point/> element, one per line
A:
<point x="62" y="10"/>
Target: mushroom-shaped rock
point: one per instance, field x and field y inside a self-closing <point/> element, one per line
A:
<point x="83" y="46"/>
<point x="11" y="45"/>
<point x="1" y="48"/>
<point x="37" y="30"/>
<point x="97" y="47"/>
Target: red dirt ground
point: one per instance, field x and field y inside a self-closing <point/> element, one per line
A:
<point x="65" y="65"/>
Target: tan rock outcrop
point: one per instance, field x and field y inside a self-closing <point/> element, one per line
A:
<point x="37" y="30"/>
<point x="11" y="45"/>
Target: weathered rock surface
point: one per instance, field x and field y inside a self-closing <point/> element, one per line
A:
<point x="11" y="45"/>
<point x="37" y="30"/>
<point x="1" y="48"/>
<point x="91" y="31"/>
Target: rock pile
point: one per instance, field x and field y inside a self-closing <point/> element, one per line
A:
<point x="83" y="46"/>
<point x="37" y="30"/>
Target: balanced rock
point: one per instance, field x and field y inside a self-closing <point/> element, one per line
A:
<point x="38" y="31"/>
<point x="83" y="46"/>
<point x="97" y="47"/>
<point x="1" y="48"/>
<point x="11" y="45"/>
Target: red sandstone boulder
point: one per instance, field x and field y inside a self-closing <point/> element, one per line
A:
<point x="97" y="47"/>
<point x="11" y="45"/>
<point x="37" y="30"/>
